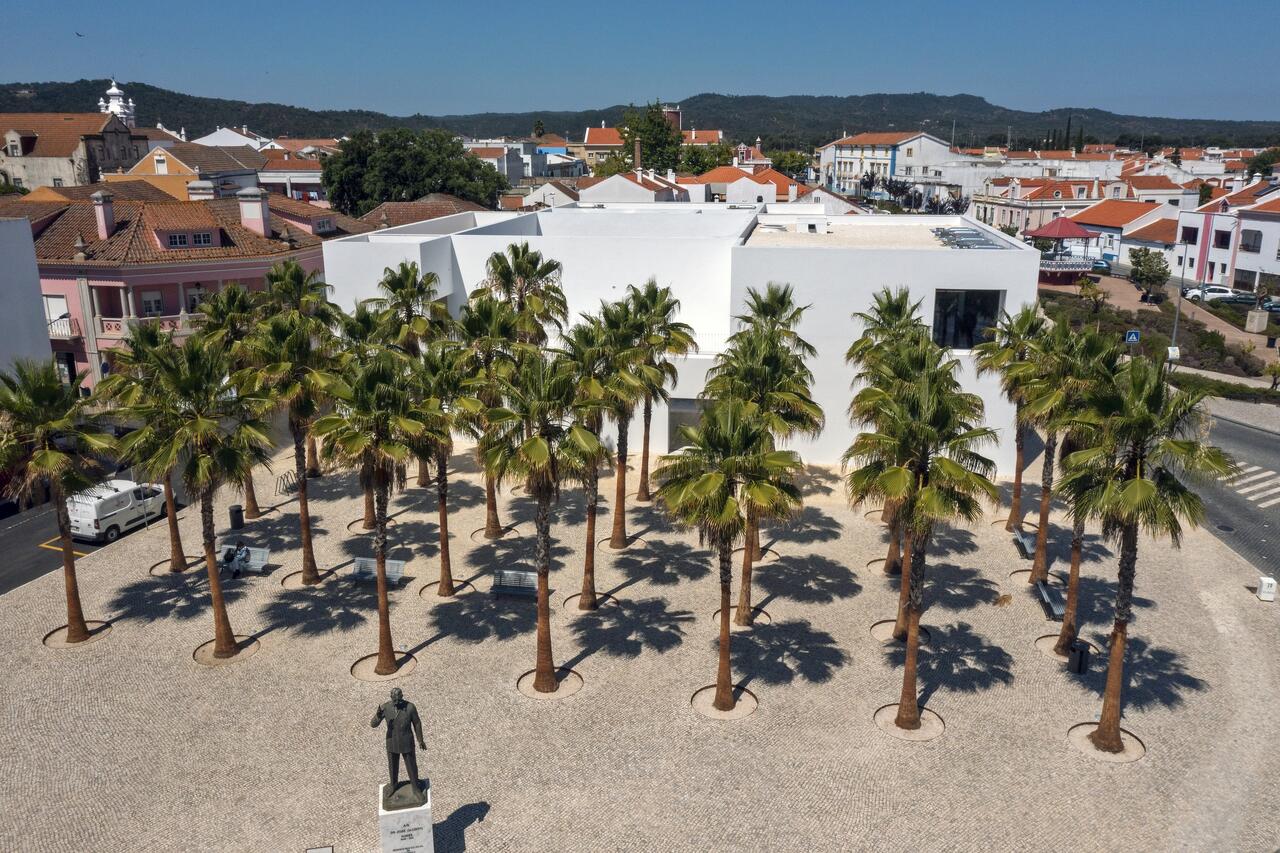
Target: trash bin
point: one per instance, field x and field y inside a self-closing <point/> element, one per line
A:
<point x="1078" y="658"/>
<point x="237" y="517"/>
<point x="1271" y="341"/>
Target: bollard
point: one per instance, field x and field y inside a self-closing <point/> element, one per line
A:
<point x="237" y="517"/>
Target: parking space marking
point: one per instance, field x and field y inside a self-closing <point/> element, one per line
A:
<point x="58" y="547"/>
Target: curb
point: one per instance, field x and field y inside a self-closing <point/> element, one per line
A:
<point x="1247" y="425"/>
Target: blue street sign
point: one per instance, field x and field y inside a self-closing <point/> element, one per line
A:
<point x="1131" y="336"/>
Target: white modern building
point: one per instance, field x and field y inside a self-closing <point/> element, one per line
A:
<point x="1258" y="258"/>
<point x="27" y="318"/>
<point x="1211" y="233"/>
<point x="710" y="254"/>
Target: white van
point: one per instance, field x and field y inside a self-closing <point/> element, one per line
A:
<point x="102" y="513"/>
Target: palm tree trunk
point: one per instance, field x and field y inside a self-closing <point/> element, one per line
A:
<point x="724" y="700"/>
<point x="752" y="543"/>
<point x="1040" y="566"/>
<point x="251" y="508"/>
<point x="224" y="639"/>
<point x="893" y="559"/>
<point x="642" y="494"/>
<point x="909" y="701"/>
<point x="492" y="527"/>
<point x="310" y="577"/>
<point x="1070" y="630"/>
<point x="177" y="554"/>
<point x="587" y="601"/>
<point x="77" y="630"/>
<point x="619" y="537"/>
<point x="370" y="510"/>
<point x="744" y="615"/>
<point x="313" y="458"/>
<point x="1107" y="736"/>
<point x="445" y="587"/>
<point x="386" y="650"/>
<point x="1015" y="504"/>
<point x="424" y="471"/>
<point x="901" y="628"/>
<point x="544" y="678"/>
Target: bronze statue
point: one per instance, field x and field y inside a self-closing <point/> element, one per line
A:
<point x="403" y="723"/>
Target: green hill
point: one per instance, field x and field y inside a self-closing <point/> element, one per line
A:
<point x="793" y="121"/>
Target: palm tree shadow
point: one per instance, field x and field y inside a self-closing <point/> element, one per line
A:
<point x="958" y="659"/>
<point x="450" y="834"/>
<point x="626" y="628"/>
<point x="810" y="579"/>
<point x="182" y="596"/>
<point x="476" y="618"/>
<point x="516" y="552"/>
<point x="362" y="546"/>
<point x="1093" y="550"/>
<point x="781" y="652"/>
<point x="1154" y="676"/>
<point x="947" y="541"/>
<point x="952" y="587"/>
<point x="808" y="525"/>
<point x="277" y="531"/>
<point x="1095" y="604"/>
<point x="816" y="480"/>
<point x="336" y="606"/>
<point x="662" y="563"/>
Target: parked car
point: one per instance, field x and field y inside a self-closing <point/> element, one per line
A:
<point x="1102" y="266"/>
<point x="1272" y="304"/>
<point x="1210" y="293"/>
<point x="109" y="509"/>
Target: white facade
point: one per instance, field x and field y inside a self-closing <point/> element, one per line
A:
<point x="24" y="328"/>
<point x="230" y="136"/>
<point x="1258" y="257"/>
<point x="117" y="105"/>
<point x="710" y="254"/>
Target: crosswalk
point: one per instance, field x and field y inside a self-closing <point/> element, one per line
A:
<point x="1256" y="484"/>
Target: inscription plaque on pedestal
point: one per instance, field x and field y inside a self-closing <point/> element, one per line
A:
<point x="405" y="830"/>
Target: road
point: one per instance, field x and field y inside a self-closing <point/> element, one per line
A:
<point x="1244" y="512"/>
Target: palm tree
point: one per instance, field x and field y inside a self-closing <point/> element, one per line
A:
<point x="46" y="447"/>
<point x="377" y="425"/>
<point x="727" y="459"/>
<point x="229" y="317"/>
<point x="1144" y="439"/>
<point x="197" y="421"/>
<point x="1007" y="346"/>
<point x="487" y="330"/>
<point x="531" y="285"/>
<point x="623" y="332"/>
<point x="133" y="369"/>
<point x="923" y="455"/>
<point x="664" y="338"/>
<point x="1060" y="365"/>
<point x="441" y="376"/>
<point x="364" y="334"/>
<point x="776" y="309"/>
<point x="542" y="417"/>
<point x="294" y="363"/>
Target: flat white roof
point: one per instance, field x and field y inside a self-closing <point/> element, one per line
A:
<point x="917" y="233"/>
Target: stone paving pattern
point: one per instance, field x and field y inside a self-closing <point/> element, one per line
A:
<point x="130" y="745"/>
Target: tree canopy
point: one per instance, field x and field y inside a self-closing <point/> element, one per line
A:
<point x="660" y="140"/>
<point x="403" y="165"/>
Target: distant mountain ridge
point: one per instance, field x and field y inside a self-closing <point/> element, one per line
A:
<point x="791" y="121"/>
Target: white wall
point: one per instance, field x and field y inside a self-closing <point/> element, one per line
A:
<point x="23" y="329"/>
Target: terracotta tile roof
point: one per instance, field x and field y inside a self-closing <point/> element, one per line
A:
<point x="293" y="164"/>
<point x="551" y="140"/>
<point x="702" y="137"/>
<point x="1272" y="206"/>
<point x="511" y="202"/>
<point x="211" y="159"/>
<point x="429" y="207"/>
<point x="1248" y="195"/>
<point x="296" y="145"/>
<point x="1066" y="188"/>
<point x="779" y="180"/>
<point x="602" y="136"/>
<point x="1021" y="155"/>
<point x="488" y="153"/>
<point x="1160" y="231"/>
<point x="1114" y="212"/>
<point x="56" y="134"/>
<point x="138" y="190"/>
<point x="874" y="138"/>
<point x="565" y="188"/>
<point x="1152" y="182"/>
<point x="178" y="216"/>
<point x="719" y="175"/>
<point x="157" y="134"/>
<point x="1234" y="166"/>
<point x="589" y="181"/>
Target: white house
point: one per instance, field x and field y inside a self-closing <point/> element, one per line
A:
<point x="1211" y="232"/>
<point x="551" y="194"/>
<point x="1258" y="258"/>
<point x="506" y="160"/>
<point x="1112" y="217"/>
<point x="1158" y="236"/>
<point x="231" y="136"/>
<point x="911" y="156"/>
<point x="640" y="186"/>
<point x="710" y="255"/>
<point x="27" y="317"/>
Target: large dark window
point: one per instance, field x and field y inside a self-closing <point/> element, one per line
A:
<point x="962" y="317"/>
<point x="681" y="412"/>
<point x="1189" y="235"/>
<point x="1222" y="239"/>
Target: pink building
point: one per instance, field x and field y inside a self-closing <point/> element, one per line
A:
<point x="106" y="265"/>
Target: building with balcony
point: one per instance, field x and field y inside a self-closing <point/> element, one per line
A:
<point x="709" y="254"/>
<point x="1212" y="235"/>
<point x="106" y="265"/>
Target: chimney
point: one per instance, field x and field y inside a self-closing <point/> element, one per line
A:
<point x="200" y="191"/>
<point x="1015" y="189"/>
<point x="244" y="128"/>
<point x="254" y="213"/>
<point x="81" y="248"/>
<point x="382" y="221"/>
<point x="671" y="176"/>
<point x="637" y="165"/>
<point x="104" y="213"/>
<point x="1095" y="189"/>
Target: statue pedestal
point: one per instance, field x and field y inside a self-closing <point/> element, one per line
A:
<point x="407" y="829"/>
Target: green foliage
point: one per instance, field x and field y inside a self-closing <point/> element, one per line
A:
<point x="7" y="188"/>
<point x="1092" y="293"/>
<point x="401" y="165"/>
<point x="1264" y="163"/>
<point x="1148" y="268"/>
<point x="790" y="162"/>
<point x="1011" y="230"/>
<point x="614" y="163"/>
<point x="1206" y="193"/>
<point x="1226" y="390"/>
<point x="698" y="159"/>
<point x="660" y="141"/>
<point x="1236" y="315"/>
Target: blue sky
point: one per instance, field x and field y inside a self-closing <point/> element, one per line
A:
<point x="402" y="57"/>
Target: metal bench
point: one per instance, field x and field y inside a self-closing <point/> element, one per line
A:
<point x="1026" y="544"/>
<point x="1051" y="600"/>
<point x="367" y="567"/>
<point x="518" y="582"/>
<point x="257" y="562"/>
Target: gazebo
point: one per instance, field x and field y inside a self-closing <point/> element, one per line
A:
<point x="1055" y="268"/>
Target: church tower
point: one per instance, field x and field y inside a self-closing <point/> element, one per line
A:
<point x="116" y="104"/>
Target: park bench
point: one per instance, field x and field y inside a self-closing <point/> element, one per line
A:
<point x="258" y="558"/>
<point x="515" y="582"/>
<point x="1026" y="544"/>
<point x="367" y="567"/>
<point x="1051" y="600"/>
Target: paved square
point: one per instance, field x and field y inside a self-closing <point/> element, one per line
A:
<point x="129" y="744"/>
